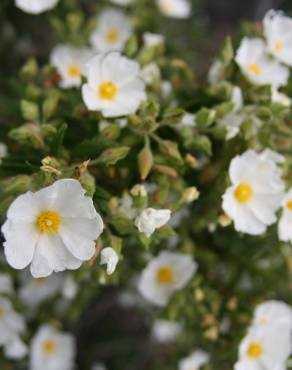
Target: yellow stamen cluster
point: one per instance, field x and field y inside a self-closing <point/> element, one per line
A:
<point x="255" y="69"/>
<point x="112" y="36"/>
<point x="243" y="192"/>
<point x="289" y="205"/>
<point x="49" y="347"/>
<point x="74" y="71"/>
<point x="255" y="350"/>
<point x="278" y="46"/>
<point x="108" y="90"/>
<point x="165" y="275"/>
<point x="48" y="222"/>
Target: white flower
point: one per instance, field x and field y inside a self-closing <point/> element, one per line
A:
<point x="175" y="8"/>
<point x="264" y="348"/>
<point x="35" y="291"/>
<point x="257" y="66"/>
<point x="275" y="313"/>
<point x="112" y="31"/>
<point x="166" y="89"/>
<point x="150" y="73"/>
<point x="52" y="349"/>
<point x="194" y="361"/>
<point x="232" y="120"/>
<point x="278" y="33"/>
<point x="256" y="191"/>
<point x="35" y="6"/>
<point x="11" y="327"/>
<point x="151" y="219"/>
<point x="69" y="287"/>
<point x="280" y="98"/>
<point x="114" y="86"/>
<point x="285" y="223"/>
<point x="164" y="275"/>
<point x="126" y="206"/>
<point x="164" y="331"/>
<point x="70" y="63"/>
<point x="153" y="39"/>
<point x="109" y="257"/>
<point x="5" y="283"/>
<point x="53" y="229"/>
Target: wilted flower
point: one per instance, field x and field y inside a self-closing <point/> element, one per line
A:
<point x="164" y="275"/>
<point x="53" y="229"/>
<point x="256" y="191"/>
<point x="113" y="85"/>
<point x="52" y="349"/>
<point x="151" y="219"/>
<point x="35" y="6"/>
<point x="109" y="257"/>
<point x="257" y="66"/>
<point x="112" y="31"/>
<point x="278" y="33"/>
<point x="175" y="8"/>
<point x="165" y="331"/>
<point x="11" y="327"/>
<point x="194" y="361"/>
<point x="70" y="63"/>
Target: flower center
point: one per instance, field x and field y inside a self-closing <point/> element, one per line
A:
<point x="255" y="350"/>
<point x="278" y="46"/>
<point x="255" y="69"/>
<point x="243" y="192"/>
<point x="49" y="347"/>
<point x="112" y="36"/>
<point x="289" y="205"/>
<point x="108" y="90"/>
<point x="165" y="275"/>
<point x="74" y="71"/>
<point x="48" y="222"/>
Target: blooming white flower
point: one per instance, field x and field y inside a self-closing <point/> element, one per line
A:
<point x="151" y="219"/>
<point x="232" y="120"/>
<point x="175" y="8"/>
<point x="165" y="331"/>
<point x="278" y="33"/>
<point x="164" y="275"/>
<point x="257" y="66"/>
<point x="264" y="348"/>
<point x="35" y="291"/>
<point x="109" y="257"/>
<point x="5" y="283"/>
<point x="70" y="63"/>
<point x="194" y="361"/>
<point x="255" y="193"/>
<point x="189" y="120"/>
<point x="53" y="229"/>
<point x="284" y="226"/>
<point x="11" y="327"/>
<point x="112" y="31"/>
<point x="114" y="86"/>
<point x="153" y="39"/>
<point x="35" y="6"/>
<point x="273" y="313"/>
<point x="52" y="349"/>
